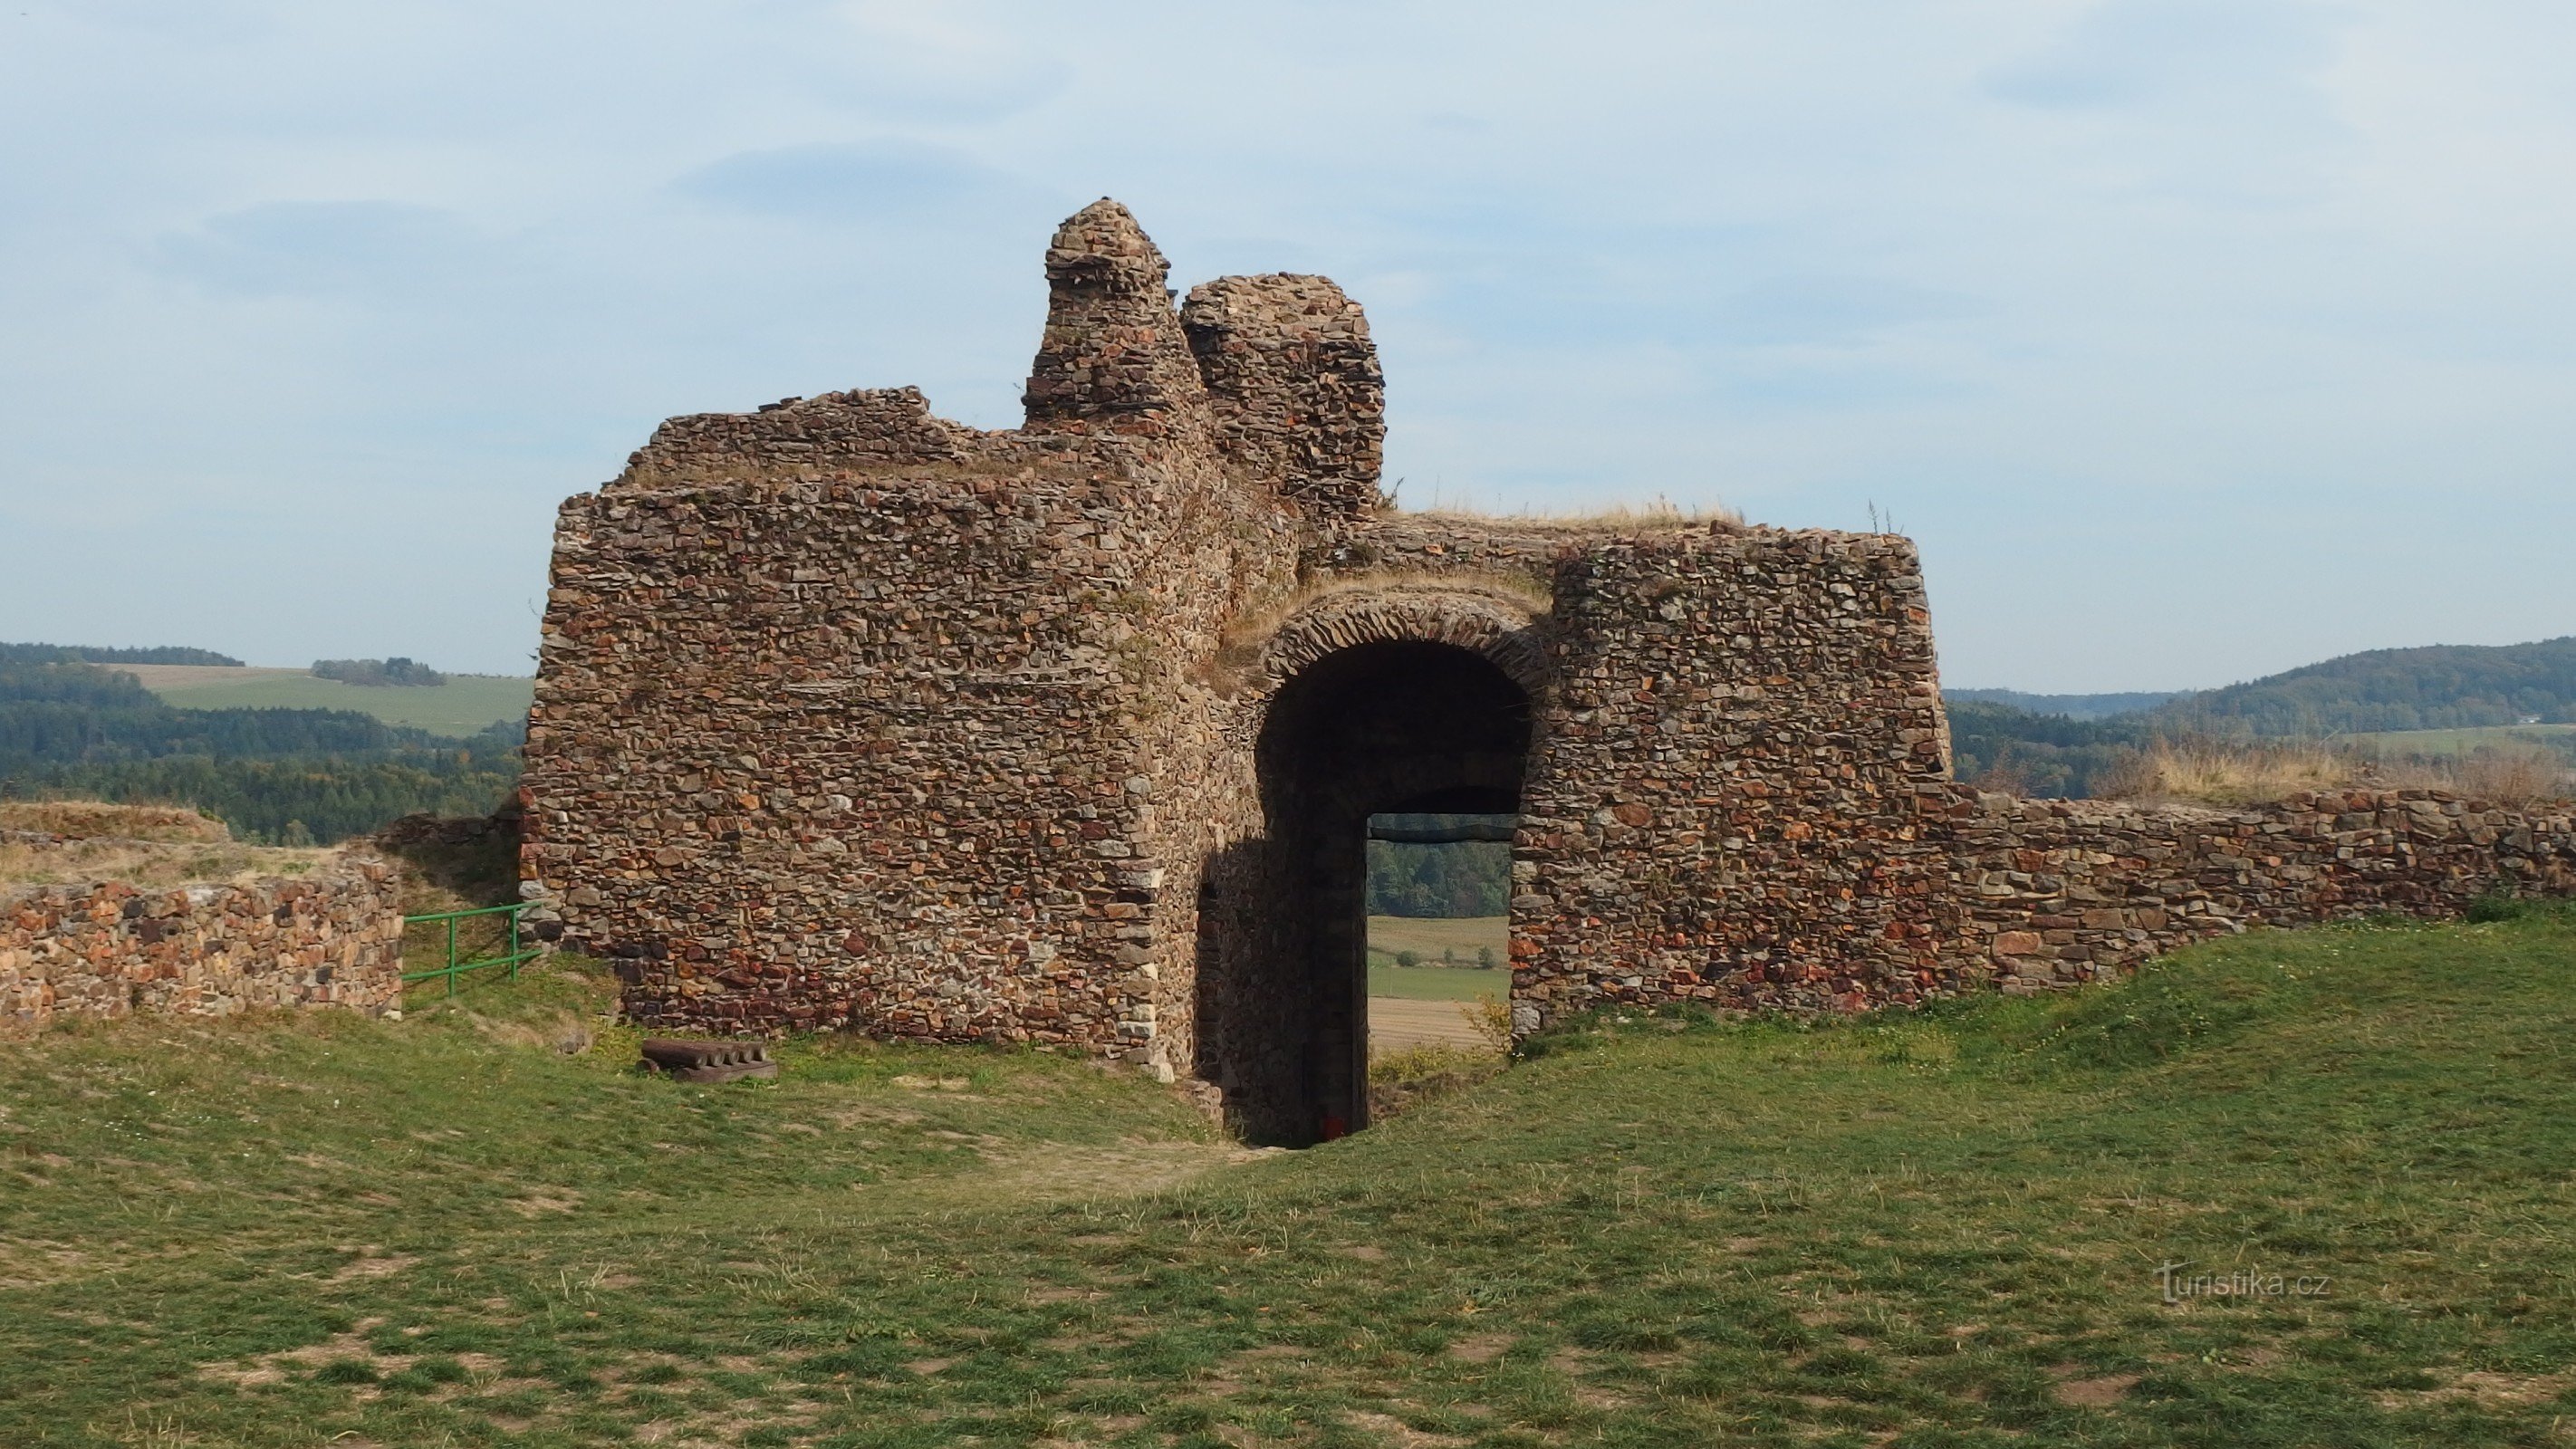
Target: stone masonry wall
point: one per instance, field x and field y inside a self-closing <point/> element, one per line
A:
<point x="2033" y="895"/>
<point x="848" y="716"/>
<point x="854" y="750"/>
<point x="2046" y="893"/>
<point x="1719" y="801"/>
<point x="1112" y="359"/>
<point x="1294" y="388"/>
<point x="851" y="717"/>
<point x="108" y="950"/>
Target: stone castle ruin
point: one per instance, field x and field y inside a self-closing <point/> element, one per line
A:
<point x="851" y="717"/>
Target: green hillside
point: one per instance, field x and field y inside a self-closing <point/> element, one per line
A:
<point x="276" y="776"/>
<point x="2441" y="687"/>
<point x="2045" y="755"/>
<point x="94" y="654"/>
<point x="2073" y="706"/>
<point x="2435" y="703"/>
<point x="1937" y="1230"/>
<point x="463" y="705"/>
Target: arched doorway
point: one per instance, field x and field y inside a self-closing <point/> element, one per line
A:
<point x="1393" y="726"/>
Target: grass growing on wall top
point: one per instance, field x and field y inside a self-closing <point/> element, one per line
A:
<point x="151" y="867"/>
<point x="1940" y="1229"/>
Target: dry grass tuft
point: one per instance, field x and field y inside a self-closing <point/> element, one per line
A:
<point x="2512" y="775"/>
<point x="150" y="866"/>
<point x="1401" y="1079"/>
<point x="93" y="819"/>
<point x="150" y="846"/>
<point x="2228" y="772"/>
<point x="1615" y="518"/>
<point x="2007" y="775"/>
<point x="2252" y="772"/>
<point x="568" y="1033"/>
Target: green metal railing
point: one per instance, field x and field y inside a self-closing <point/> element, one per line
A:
<point x="455" y="968"/>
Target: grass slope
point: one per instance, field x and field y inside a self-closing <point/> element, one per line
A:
<point x="463" y="705"/>
<point x="1940" y="1230"/>
<point x="2443" y="686"/>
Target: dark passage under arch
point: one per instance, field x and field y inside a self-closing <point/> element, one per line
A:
<point x="1400" y="727"/>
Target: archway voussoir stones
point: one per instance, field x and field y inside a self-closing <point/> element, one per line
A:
<point x="1503" y="629"/>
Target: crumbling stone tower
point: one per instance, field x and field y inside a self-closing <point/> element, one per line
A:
<point x="849" y="716"/>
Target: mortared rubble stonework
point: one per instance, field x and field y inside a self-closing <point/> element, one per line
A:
<point x="851" y="717"/>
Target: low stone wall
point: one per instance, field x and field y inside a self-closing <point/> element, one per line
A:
<point x="2049" y="893"/>
<point x="108" y="949"/>
<point x="2031" y="895"/>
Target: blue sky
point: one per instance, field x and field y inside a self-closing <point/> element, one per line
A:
<point x="2193" y="339"/>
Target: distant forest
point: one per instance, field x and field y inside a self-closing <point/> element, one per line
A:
<point x="2073" y="706"/>
<point x="2437" y="688"/>
<point x="2440" y="687"/>
<point x="1464" y="878"/>
<point x="84" y="654"/>
<point x="379" y="673"/>
<point x="277" y="776"/>
<point x="2042" y="755"/>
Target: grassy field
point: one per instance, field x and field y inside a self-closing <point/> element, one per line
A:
<point x="470" y="1228"/>
<point x="2448" y="744"/>
<point x="1433" y="936"/>
<point x="1435" y="983"/>
<point x="1427" y="937"/>
<point x="1458" y="935"/>
<point x="463" y="705"/>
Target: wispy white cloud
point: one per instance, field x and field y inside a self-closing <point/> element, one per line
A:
<point x="2185" y="311"/>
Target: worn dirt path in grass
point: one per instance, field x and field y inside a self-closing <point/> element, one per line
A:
<point x="1395" y="1024"/>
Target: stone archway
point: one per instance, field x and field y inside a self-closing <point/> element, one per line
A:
<point x="1502" y="628"/>
<point x="1365" y="704"/>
